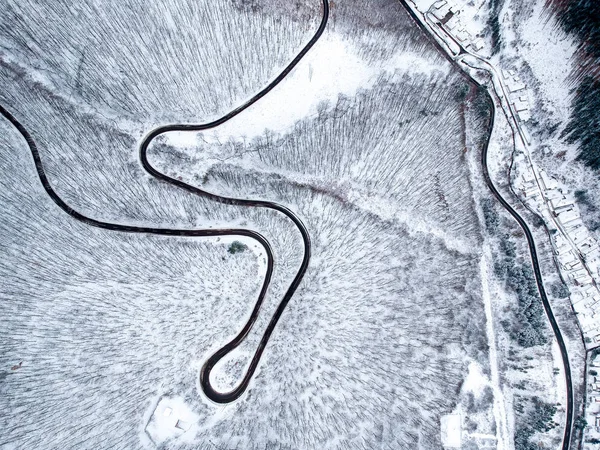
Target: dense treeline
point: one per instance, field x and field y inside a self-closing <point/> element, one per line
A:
<point x="539" y="417"/>
<point x="106" y="322"/>
<point x="143" y="61"/>
<point x="528" y="328"/>
<point x="590" y="212"/>
<point x="581" y="18"/>
<point x="584" y="126"/>
<point x="494" y="24"/>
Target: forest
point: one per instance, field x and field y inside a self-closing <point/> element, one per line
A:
<point x="528" y="328"/>
<point x="375" y="345"/>
<point x="581" y="18"/>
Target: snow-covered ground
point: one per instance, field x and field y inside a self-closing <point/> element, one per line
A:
<point x="531" y="72"/>
<point x="365" y="141"/>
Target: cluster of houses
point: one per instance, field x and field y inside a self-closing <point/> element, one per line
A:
<point x="592" y="413"/>
<point x="448" y="14"/>
<point x="519" y="99"/>
<point x="577" y="251"/>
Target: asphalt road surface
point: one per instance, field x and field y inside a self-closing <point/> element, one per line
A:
<point x="211" y="393"/>
<point x="522" y="224"/>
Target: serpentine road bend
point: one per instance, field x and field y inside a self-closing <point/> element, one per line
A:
<point x="530" y="241"/>
<point x="210" y="392"/>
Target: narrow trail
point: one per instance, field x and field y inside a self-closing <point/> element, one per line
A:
<point x="529" y="236"/>
<point x="209" y="391"/>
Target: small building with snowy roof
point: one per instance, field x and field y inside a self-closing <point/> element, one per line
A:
<point x="171" y="419"/>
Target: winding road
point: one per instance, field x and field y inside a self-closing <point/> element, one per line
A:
<point x="209" y="391"/>
<point x="226" y="397"/>
<point x="516" y="216"/>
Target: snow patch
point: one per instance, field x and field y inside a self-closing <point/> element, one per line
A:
<point x="172" y="419"/>
<point x="475" y="381"/>
<point x="451" y="431"/>
<point x="332" y="68"/>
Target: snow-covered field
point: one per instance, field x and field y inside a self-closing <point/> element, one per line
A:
<point x="365" y="141"/>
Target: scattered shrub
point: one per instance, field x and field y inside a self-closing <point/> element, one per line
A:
<point x="484" y="401"/>
<point x="494" y="24"/>
<point x="508" y="247"/>
<point x="559" y="290"/>
<point x="537" y="221"/>
<point x="462" y="92"/>
<point x="539" y="417"/>
<point x="490" y="215"/>
<point x="580" y="423"/>
<point x="237" y="247"/>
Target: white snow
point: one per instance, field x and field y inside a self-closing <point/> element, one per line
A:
<point x="549" y="54"/>
<point x="500" y="413"/>
<point x="160" y="332"/>
<point x="424" y="5"/>
<point x="331" y="68"/>
<point x="559" y="373"/>
<point x="475" y="381"/>
<point x="172" y="419"/>
<point x="451" y="431"/>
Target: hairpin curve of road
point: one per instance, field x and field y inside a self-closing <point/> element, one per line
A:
<point x="209" y="391"/>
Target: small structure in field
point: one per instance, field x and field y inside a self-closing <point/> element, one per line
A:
<point x="172" y="418"/>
